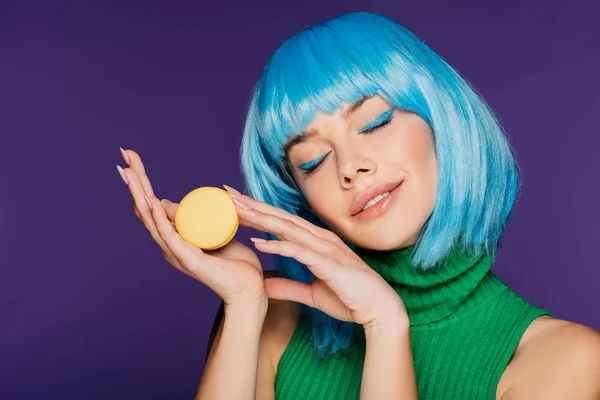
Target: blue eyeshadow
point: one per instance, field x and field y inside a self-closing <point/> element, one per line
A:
<point x="382" y="118"/>
<point x="310" y="164"/>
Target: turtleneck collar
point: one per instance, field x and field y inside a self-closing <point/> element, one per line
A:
<point x="433" y="295"/>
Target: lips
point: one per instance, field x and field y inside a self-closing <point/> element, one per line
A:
<point x="366" y="195"/>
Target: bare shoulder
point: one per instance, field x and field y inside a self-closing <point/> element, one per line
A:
<point x="277" y="330"/>
<point x="555" y="359"/>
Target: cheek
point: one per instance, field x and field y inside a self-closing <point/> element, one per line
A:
<point x="423" y="165"/>
<point x="321" y="197"/>
<point x="416" y="150"/>
<point x="415" y="156"/>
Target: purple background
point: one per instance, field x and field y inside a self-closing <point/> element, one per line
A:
<point x="89" y="307"/>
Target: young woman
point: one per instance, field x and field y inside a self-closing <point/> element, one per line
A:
<point x="384" y="183"/>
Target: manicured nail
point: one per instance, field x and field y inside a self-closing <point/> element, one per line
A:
<point x="258" y="240"/>
<point x="125" y="156"/>
<point x="122" y="173"/>
<point x="241" y="204"/>
<point x="148" y="201"/>
<point x="231" y="190"/>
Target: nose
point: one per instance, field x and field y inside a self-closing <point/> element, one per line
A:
<point x="356" y="169"/>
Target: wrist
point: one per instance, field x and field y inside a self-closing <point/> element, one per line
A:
<point x="256" y="307"/>
<point x="393" y="321"/>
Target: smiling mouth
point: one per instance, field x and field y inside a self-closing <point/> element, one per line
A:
<point x="377" y="198"/>
<point x="380" y="207"/>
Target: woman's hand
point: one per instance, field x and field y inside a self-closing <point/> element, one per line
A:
<point x="345" y="287"/>
<point x="233" y="271"/>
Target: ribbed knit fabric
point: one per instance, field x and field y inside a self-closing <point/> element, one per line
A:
<point x="465" y="326"/>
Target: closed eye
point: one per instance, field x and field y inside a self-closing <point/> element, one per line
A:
<point x="308" y="167"/>
<point x="378" y="122"/>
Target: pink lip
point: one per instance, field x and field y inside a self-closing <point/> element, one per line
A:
<point x="380" y="208"/>
<point x="365" y="196"/>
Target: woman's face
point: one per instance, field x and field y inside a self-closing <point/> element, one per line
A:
<point x="357" y="148"/>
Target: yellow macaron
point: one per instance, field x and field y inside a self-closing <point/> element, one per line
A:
<point x="207" y="217"/>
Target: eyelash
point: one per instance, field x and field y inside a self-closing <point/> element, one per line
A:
<point x="382" y="124"/>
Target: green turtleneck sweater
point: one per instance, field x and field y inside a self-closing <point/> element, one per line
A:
<point x="465" y="326"/>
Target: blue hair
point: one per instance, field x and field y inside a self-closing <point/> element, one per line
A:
<point x="364" y="53"/>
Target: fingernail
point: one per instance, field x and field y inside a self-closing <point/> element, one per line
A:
<point x="125" y="156"/>
<point x="241" y="204"/>
<point x="231" y="190"/>
<point x="258" y="240"/>
<point x="164" y="202"/>
<point x="148" y="201"/>
<point x="122" y="173"/>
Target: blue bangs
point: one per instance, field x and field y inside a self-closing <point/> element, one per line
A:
<point x="326" y="65"/>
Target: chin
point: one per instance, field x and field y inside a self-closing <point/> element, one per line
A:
<point x="388" y="232"/>
<point x="384" y="243"/>
<point x="384" y="237"/>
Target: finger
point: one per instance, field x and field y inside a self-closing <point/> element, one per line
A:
<point x="136" y="165"/>
<point x="316" y="295"/>
<point x="323" y="267"/>
<point x="288" y="230"/>
<point x="287" y="289"/>
<point x="143" y="209"/>
<point x="170" y="209"/>
<point x="135" y="209"/>
<point x="249" y="224"/>
<point x="269" y="209"/>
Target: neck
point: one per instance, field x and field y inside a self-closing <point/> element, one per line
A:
<point x="435" y="294"/>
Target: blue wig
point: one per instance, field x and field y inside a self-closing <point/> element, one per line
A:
<point x="363" y="53"/>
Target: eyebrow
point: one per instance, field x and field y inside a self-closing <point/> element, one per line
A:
<point x="302" y="137"/>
